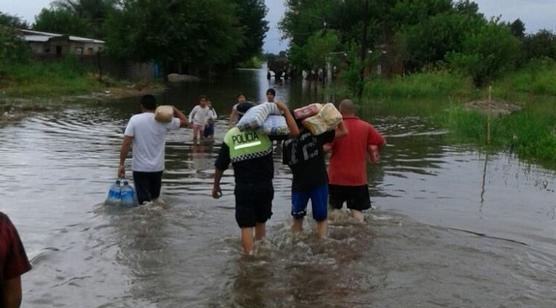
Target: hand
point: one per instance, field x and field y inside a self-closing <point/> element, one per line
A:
<point x="216" y="192"/>
<point x="121" y="171"/>
<point x="374" y="154"/>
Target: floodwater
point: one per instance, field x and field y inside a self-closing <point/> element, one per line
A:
<point x="452" y="227"/>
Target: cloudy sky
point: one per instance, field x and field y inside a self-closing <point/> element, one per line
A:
<point x="536" y="14"/>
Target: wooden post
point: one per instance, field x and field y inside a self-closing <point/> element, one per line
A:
<point x="489" y="113"/>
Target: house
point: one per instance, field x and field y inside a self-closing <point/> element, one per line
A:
<point x="44" y="44"/>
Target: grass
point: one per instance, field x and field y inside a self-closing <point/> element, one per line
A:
<point x="535" y="78"/>
<point x="439" y="96"/>
<point x="420" y="85"/>
<point x="46" y="79"/>
<point x="530" y="134"/>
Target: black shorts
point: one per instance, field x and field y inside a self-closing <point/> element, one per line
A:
<point x="356" y="197"/>
<point x="253" y="203"/>
<point x="147" y="185"/>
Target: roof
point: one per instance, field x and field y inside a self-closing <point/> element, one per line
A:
<point x="38" y="36"/>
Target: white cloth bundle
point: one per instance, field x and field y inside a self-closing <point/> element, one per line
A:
<point x="164" y="114"/>
<point x="255" y="117"/>
<point x="275" y="125"/>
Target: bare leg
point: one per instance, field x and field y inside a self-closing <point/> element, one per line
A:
<point x="297" y="225"/>
<point x="260" y="231"/>
<point x="322" y="229"/>
<point x="358" y="215"/>
<point x="247" y="240"/>
<point x="196" y="132"/>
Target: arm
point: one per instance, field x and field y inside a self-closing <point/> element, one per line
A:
<point x="341" y="130"/>
<point x="221" y="164"/>
<point x="178" y="114"/>
<point x="292" y="126"/>
<point x="192" y="114"/>
<point x="11" y="293"/>
<point x="216" y="190"/>
<point x="124" y="150"/>
<point x="233" y="117"/>
<point x="213" y="114"/>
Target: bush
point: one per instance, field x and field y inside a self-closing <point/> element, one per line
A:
<point x="12" y="48"/>
<point x="487" y="53"/>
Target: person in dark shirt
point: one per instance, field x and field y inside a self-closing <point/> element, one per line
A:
<point x="250" y="153"/>
<point x="13" y="264"/>
<point x="305" y="156"/>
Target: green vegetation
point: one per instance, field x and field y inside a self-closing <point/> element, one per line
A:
<point x="411" y="36"/>
<point x="529" y="133"/>
<point x="422" y="85"/>
<point x="253" y="62"/>
<point x="46" y="79"/>
<point x="177" y="33"/>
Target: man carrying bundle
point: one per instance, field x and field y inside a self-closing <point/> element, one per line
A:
<point x="305" y="156"/>
<point x="348" y="163"/>
<point x="250" y="153"/>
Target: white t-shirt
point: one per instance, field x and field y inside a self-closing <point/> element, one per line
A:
<point x="149" y="140"/>
<point x="200" y="115"/>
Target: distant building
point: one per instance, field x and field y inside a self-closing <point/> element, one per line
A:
<point x="44" y="44"/>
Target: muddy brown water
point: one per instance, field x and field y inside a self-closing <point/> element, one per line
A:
<point x="444" y="233"/>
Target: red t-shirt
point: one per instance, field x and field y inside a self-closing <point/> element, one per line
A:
<point x="13" y="260"/>
<point x="348" y="163"/>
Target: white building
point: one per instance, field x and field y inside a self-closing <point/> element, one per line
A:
<point x="58" y="45"/>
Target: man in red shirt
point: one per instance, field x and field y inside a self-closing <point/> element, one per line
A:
<point x="13" y="263"/>
<point x="348" y="164"/>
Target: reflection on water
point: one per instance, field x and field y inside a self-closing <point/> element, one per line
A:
<point x="440" y="235"/>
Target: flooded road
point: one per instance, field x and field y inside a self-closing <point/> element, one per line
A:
<point x="448" y="230"/>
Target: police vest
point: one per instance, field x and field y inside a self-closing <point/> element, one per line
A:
<point x="247" y="144"/>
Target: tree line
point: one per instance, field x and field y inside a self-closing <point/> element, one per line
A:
<point x="204" y="33"/>
<point x="420" y="34"/>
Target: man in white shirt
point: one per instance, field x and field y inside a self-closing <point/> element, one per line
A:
<point x="148" y="138"/>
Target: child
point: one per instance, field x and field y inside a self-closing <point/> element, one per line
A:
<point x="200" y="117"/>
<point x="305" y="156"/>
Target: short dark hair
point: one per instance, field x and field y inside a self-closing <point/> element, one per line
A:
<point x="241" y="94"/>
<point x="203" y="97"/>
<point x="271" y="91"/>
<point x="148" y="102"/>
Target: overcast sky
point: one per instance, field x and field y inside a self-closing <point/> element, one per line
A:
<point x="536" y="14"/>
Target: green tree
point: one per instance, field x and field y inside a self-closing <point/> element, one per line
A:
<point x="487" y="53"/>
<point x="12" y="21"/>
<point x="12" y="48"/>
<point x="541" y="44"/>
<point x="518" y="28"/>
<point x="59" y="20"/>
<point x="93" y="12"/>
<point x="187" y="32"/>
<point x="251" y="14"/>
<point x="318" y="48"/>
<point x="428" y="42"/>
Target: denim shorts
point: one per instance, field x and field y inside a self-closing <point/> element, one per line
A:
<point x="319" y="203"/>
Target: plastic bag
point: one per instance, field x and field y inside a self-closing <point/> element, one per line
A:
<point x="327" y="119"/>
<point x="114" y="197"/>
<point x="121" y="193"/>
<point x="164" y="114"/>
<point x="275" y="125"/>
<point x="255" y="117"/>
<point x="307" y="111"/>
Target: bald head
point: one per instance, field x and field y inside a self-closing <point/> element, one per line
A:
<point x="347" y="107"/>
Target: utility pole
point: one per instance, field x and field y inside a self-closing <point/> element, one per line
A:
<point x="363" y="52"/>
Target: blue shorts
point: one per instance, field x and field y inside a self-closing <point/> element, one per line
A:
<point x="319" y="203"/>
